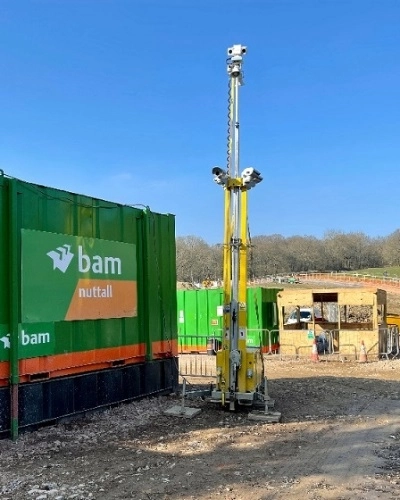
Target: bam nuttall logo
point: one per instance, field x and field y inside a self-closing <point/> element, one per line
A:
<point x="61" y="257"/>
<point x="83" y="278"/>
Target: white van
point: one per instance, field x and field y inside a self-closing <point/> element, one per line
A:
<point x="305" y="316"/>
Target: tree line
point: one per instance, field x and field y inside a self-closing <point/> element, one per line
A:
<point x="276" y="254"/>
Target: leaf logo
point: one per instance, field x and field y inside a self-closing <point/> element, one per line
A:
<point x="6" y="341"/>
<point x="61" y="257"/>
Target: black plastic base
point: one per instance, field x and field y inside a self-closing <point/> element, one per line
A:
<point x="50" y="400"/>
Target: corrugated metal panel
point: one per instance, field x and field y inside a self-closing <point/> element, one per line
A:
<point x="198" y="318"/>
<point x="29" y="211"/>
<point x="160" y="295"/>
<point x="4" y="280"/>
<point x="4" y="277"/>
<point x="262" y="320"/>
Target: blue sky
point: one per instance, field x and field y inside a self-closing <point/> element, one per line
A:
<point x="126" y="100"/>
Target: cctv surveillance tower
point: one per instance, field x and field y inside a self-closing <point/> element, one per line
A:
<point x="240" y="375"/>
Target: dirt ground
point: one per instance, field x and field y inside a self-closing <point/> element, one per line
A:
<point x="339" y="438"/>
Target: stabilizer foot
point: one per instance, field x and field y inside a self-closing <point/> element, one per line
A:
<point x="272" y="417"/>
<point x="182" y="411"/>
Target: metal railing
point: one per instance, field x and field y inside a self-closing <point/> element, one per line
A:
<point x="264" y="339"/>
<point x="329" y="347"/>
<point x="351" y="277"/>
<point x="389" y="342"/>
<point x="267" y="340"/>
<point x="195" y="343"/>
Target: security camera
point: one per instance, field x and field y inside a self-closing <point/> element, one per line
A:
<point x="251" y="177"/>
<point x="251" y="171"/>
<point x="220" y="176"/>
<point x="237" y="50"/>
<point x="218" y="171"/>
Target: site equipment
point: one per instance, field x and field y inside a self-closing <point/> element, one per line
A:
<point x="240" y="378"/>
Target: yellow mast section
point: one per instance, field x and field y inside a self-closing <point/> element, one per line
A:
<point x="237" y="380"/>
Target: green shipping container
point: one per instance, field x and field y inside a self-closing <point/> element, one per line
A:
<point x="87" y="303"/>
<point x="200" y="319"/>
<point x="262" y="318"/>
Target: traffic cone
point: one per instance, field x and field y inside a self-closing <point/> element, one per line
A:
<point x="363" y="353"/>
<point x="314" y="352"/>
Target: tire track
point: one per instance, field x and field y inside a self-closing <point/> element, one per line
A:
<point x="343" y="461"/>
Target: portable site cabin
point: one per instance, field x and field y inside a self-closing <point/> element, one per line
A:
<point x="339" y="319"/>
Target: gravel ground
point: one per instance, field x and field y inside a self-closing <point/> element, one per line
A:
<point x="339" y="438"/>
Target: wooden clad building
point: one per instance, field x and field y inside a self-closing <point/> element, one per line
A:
<point x="339" y="319"/>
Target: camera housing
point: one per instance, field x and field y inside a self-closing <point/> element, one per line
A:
<point x="220" y="175"/>
<point x="251" y="177"/>
<point x="237" y="50"/>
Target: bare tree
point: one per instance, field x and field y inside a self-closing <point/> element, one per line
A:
<point x="391" y="249"/>
<point x="195" y="259"/>
<point x="274" y="254"/>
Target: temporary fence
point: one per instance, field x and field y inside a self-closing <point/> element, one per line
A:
<point x="264" y="339"/>
<point x="331" y="344"/>
<point x="197" y="365"/>
<point x="361" y="278"/>
<point x="200" y="344"/>
<point x="197" y="352"/>
<point x="390" y="342"/>
<point x="336" y="343"/>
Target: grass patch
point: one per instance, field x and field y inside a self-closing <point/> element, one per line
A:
<point x="390" y="272"/>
